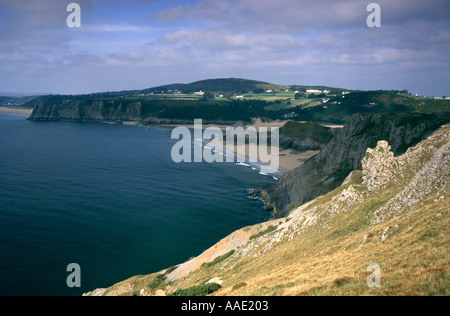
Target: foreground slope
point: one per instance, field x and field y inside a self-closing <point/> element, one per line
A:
<point x="394" y="213"/>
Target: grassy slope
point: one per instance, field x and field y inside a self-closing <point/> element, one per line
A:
<point x="324" y="247"/>
<point x="339" y="110"/>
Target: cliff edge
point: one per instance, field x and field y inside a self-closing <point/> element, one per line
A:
<point x="328" y="169"/>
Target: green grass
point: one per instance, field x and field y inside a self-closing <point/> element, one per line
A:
<point x="339" y="110"/>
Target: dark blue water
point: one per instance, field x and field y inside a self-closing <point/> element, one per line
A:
<point x="110" y="199"/>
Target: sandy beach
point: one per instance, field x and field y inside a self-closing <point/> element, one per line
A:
<point x="256" y="123"/>
<point x="21" y="111"/>
<point x="288" y="160"/>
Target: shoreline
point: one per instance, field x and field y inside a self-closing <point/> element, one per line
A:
<point x="246" y="161"/>
<point x="19" y="111"/>
<point x="288" y="160"/>
<point x="257" y="123"/>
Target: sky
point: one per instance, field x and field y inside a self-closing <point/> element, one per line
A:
<point x="137" y="44"/>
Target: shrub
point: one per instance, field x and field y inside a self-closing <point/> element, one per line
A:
<point x="198" y="290"/>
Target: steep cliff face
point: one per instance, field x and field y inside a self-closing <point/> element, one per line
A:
<point x="145" y="112"/>
<point x="88" y="111"/>
<point x="327" y="170"/>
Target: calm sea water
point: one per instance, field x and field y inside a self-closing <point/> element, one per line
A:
<point x="110" y="199"/>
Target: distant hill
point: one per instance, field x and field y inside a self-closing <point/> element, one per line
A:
<point x="237" y="85"/>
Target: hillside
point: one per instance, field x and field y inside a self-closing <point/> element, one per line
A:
<point x="340" y="108"/>
<point x="225" y="101"/>
<point x="393" y="212"/>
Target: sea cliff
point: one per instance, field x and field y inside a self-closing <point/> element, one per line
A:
<point x="146" y="112"/>
<point x="327" y="170"/>
<point x="87" y="111"/>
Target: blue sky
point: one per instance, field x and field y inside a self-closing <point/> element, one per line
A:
<point x="137" y="44"/>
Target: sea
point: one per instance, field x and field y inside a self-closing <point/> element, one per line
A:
<point x="110" y="199"/>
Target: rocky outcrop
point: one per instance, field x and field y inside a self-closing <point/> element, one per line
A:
<point x="423" y="172"/>
<point x="378" y="166"/>
<point x="327" y="170"/>
<point x="429" y="166"/>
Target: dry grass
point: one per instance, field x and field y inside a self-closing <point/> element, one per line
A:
<point x="413" y="261"/>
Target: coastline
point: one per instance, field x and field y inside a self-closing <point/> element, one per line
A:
<point x="20" y="111"/>
<point x="288" y="160"/>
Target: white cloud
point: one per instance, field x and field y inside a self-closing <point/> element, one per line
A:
<point x="222" y="39"/>
<point x="113" y="28"/>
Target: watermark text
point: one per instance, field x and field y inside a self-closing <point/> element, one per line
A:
<point x="74" y="18"/>
<point x="256" y="145"/>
